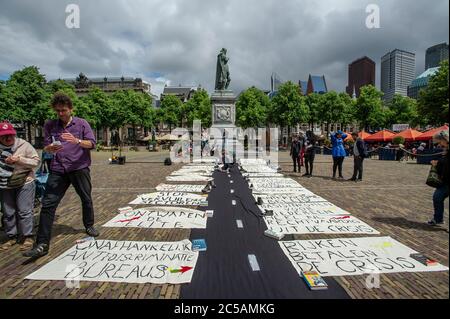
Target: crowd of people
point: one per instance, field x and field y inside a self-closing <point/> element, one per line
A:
<point x="66" y="155"/>
<point x="303" y="150"/>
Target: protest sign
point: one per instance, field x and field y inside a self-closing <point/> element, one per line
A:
<point x="285" y="223"/>
<point x="171" y="199"/>
<point x="160" y="217"/>
<point x="289" y="198"/>
<point x="184" y="188"/>
<point x="353" y="256"/>
<point x="189" y="178"/>
<point x="123" y="261"/>
<point x="315" y="208"/>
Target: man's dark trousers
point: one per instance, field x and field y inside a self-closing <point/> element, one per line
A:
<point x="358" y="167"/>
<point x="57" y="185"/>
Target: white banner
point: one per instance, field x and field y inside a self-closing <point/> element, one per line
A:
<point x="316" y="208"/>
<point x="171" y="199"/>
<point x="289" y="190"/>
<point x="160" y="217"/>
<point x="353" y="256"/>
<point x="274" y="182"/>
<point x="184" y="188"/>
<point x="123" y="261"/>
<point x="183" y="172"/>
<point x="262" y="175"/>
<point x="252" y="161"/>
<point x="290" y="198"/>
<point x="285" y="223"/>
<point x="189" y="178"/>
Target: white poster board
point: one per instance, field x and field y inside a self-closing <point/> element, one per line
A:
<point x="353" y="256"/>
<point x="171" y="199"/>
<point x="290" y="198"/>
<point x="189" y="178"/>
<point x="183" y="188"/>
<point x="316" y="208"/>
<point x="160" y="217"/>
<point x="123" y="261"/>
<point x="285" y="223"/>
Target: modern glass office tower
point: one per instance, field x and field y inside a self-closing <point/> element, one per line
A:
<point x="435" y="55"/>
<point x="397" y="72"/>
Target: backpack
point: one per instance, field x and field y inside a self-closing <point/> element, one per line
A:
<point x="365" y="153"/>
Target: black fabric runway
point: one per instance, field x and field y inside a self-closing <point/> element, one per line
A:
<point x="224" y="272"/>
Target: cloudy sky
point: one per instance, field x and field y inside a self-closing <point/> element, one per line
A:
<point x="177" y="41"/>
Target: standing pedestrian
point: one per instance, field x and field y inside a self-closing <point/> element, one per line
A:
<point x="359" y="153"/>
<point x="338" y="152"/>
<point x="18" y="160"/>
<point x="71" y="140"/>
<point x="441" y="192"/>
<point x="295" y="153"/>
<point x="310" y="153"/>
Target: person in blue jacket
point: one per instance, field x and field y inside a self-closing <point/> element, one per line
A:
<point x="338" y="152"/>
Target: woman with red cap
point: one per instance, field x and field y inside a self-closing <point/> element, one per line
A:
<point x="18" y="159"/>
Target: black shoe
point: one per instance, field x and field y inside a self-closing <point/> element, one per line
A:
<point x="435" y="223"/>
<point x="359" y="180"/>
<point x="91" y="231"/>
<point x="352" y="179"/>
<point x="306" y="174"/>
<point x="38" y="251"/>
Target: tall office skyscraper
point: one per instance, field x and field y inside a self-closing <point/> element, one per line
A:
<point x="398" y="70"/>
<point x="435" y="55"/>
<point x="360" y="72"/>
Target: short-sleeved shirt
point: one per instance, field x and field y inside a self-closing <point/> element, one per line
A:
<point x="72" y="157"/>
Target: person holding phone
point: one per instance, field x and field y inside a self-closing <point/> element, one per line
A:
<point x="70" y="139"/>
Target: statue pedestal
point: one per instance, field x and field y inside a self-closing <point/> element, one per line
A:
<point x="223" y="109"/>
<point x="224" y="120"/>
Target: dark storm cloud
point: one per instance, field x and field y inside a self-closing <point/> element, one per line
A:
<point x="178" y="41"/>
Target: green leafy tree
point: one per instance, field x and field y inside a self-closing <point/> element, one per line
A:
<point x="198" y="108"/>
<point x="251" y="108"/>
<point x="97" y="108"/>
<point x="170" y="111"/>
<point x="288" y="107"/>
<point x="27" y="93"/>
<point x="335" y="108"/>
<point x="369" y="108"/>
<point x="348" y="109"/>
<point x="131" y="108"/>
<point x="6" y="104"/>
<point x="433" y="100"/>
<point x="313" y="101"/>
<point x="402" y="110"/>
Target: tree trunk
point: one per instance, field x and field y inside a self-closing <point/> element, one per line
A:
<point x="29" y="132"/>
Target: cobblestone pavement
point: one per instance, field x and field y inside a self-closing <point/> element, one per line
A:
<point x="392" y="198"/>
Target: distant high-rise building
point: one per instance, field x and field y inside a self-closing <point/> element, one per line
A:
<point x="397" y="72"/>
<point x="275" y="82"/>
<point x="360" y="72"/>
<point x="435" y="55"/>
<point x="316" y="84"/>
<point x="421" y="82"/>
<point x="303" y="86"/>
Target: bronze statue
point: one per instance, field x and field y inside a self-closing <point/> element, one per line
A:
<point x="222" y="72"/>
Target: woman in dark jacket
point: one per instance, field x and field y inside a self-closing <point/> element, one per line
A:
<point x="441" y="193"/>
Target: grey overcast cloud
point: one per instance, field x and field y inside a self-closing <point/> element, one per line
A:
<point x="177" y="41"/>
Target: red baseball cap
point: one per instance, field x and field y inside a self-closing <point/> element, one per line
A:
<point x="7" y="129"/>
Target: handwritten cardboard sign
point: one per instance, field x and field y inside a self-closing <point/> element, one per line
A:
<point x="160" y="217"/>
<point x="171" y="199"/>
<point x="353" y="256"/>
<point x="123" y="261"/>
